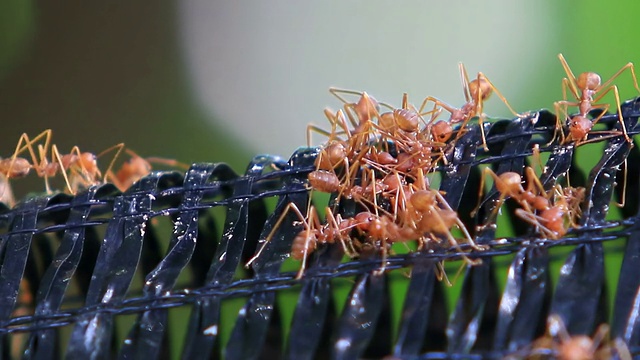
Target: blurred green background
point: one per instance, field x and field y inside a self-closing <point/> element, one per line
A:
<point x="222" y="81"/>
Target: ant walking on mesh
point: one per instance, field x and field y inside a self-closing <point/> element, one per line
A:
<point x="314" y="233"/>
<point x="364" y="109"/>
<point x="476" y="92"/>
<point x="550" y="212"/>
<point x="79" y="169"/>
<point x="136" y="168"/>
<point x="588" y="90"/>
<point x="16" y="167"/>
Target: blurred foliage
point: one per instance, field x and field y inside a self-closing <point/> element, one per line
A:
<point x="16" y="31"/>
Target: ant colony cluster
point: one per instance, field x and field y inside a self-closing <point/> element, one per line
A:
<point x="78" y="169"/>
<point x="381" y="158"/>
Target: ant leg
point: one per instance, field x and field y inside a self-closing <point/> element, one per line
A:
<point x="334" y="121"/>
<point x="120" y="147"/>
<point x="371" y="105"/>
<point x="533" y="181"/>
<point x="622" y="349"/>
<point x="605" y="109"/>
<point x="624" y="186"/>
<point x="311" y="128"/>
<point x="332" y="222"/>
<point x="290" y="207"/>
<point x="499" y="94"/>
<point x="336" y="92"/>
<point x="436" y="102"/>
<point x="55" y="156"/>
<point x="312" y="220"/>
<point x="28" y="145"/>
<point x="537" y="158"/>
<point x="620" y="119"/>
<point x="459" y="222"/>
<point x="601" y="334"/>
<point x="561" y="118"/>
<point x="464" y="78"/>
<point x="160" y="160"/>
<point x="573" y="86"/>
<point x="496" y="180"/>
<point x="459" y="272"/>
<point x="383" y="267"/>
<point x="533" y="219"/>
<point x="481" y="116"/>
<point x="405" y="101"/>
<point x="441" y="273"/>
<point x="618" y="73"/>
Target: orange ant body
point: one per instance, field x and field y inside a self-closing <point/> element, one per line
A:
<point x="552" y="219"/>
<point x="419" y="213"/>
<point x="588" y="90"/>
<point x="365" y="108"/>
<point x="476" y="92"/>
<point x="324" y="181"/>
<point x="509" y="185"/>
<point x="312" y="234"/>
<point x="18" y="167"/>
<point x="136" y="168"/>
<point x="577" y="347"/>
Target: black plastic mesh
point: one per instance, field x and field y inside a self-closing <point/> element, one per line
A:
<point x="72" y="267"/>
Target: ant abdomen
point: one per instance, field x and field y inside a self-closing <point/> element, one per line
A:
<point x="324" y="181"/>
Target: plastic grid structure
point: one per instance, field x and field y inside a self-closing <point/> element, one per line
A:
<point x="78" y="256"/>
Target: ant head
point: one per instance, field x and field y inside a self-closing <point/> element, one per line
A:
<point x="336" y="152"/>
<point x="366" y="107"/>
<point x="588" y="81"/>
<point x="387" y="121"/>
<point x="405" y="162"/>
<point x="406" y="119"/>
<point x="580" y="127"/>
<point x="481" y="85"/>
<point x="88" y="162"/>
<point x="331" y="155"/>
<point x="441" y="131"/>
<point x="363" y="220"/>
<point x="132" y="170"/>
<point x="510" y="183"/>
<point x="393" y="182"/>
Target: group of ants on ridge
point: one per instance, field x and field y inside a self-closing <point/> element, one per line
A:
<point x="381" y="158"/>
<point x="79" y="169"/>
